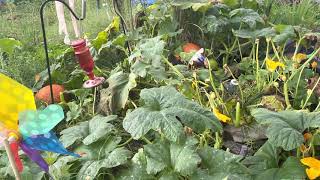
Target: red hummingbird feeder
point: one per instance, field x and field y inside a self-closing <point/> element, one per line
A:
<point x="86" y="62"/>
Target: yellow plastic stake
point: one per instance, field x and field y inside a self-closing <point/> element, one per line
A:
<point x="14" y="98"/>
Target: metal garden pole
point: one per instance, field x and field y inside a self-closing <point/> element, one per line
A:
<point x="45" y="43"/>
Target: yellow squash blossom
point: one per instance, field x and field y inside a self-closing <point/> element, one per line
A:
<point x="221" y="116"/>
<point x="313" y="171"/>
<point x="299" y="57"/>
<point x="273" y="65"/>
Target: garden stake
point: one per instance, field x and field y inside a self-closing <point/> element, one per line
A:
<point x="45" y="44"/>
<point x="11" y="159"/>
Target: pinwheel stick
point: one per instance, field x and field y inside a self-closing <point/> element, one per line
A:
<point x="11" y="159"/>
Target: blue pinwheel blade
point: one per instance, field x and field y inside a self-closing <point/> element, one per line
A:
<point x="47" y="142"/>
<point x="35" y="156"/>
<point x="40" y="122"/>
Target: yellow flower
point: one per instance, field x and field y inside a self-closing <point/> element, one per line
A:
<point x="314" y="65"/>
<point x="273" y="65"/>
<point x="220" y="116"/>
<point x="299" y="57"/>
<point x="314" y="171"/>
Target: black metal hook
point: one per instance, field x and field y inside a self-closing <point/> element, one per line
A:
<point x="45" y="45"/>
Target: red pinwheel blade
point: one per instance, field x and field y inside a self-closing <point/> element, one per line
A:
<point x="14" y="146"/>
<point x="35" y="156"/>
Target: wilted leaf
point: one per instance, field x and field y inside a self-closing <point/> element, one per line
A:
<point x="117" y="94"/>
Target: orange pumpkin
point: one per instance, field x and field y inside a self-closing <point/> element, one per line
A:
<point x="189" y="47"/>
<point x="45" y="95"/>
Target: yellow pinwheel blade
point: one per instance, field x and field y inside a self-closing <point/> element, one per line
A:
<point x="14" y="98"/>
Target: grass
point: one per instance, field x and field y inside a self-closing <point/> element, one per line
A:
<point x="305" y="13"/>
<point x="22" y="22"/>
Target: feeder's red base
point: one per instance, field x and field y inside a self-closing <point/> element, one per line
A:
<point x="86" y="62"/>
<point x="91" y="83"/>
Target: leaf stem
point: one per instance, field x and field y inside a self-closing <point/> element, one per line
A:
<point x="238" y="111"/>
<point x="125" y="143"/>
<point x="286" y="94"/>
<point x="94" y="100"/>
<point x="173" y="68"/>
<point x="146" y="140"/>
<point x="309" y="95"/>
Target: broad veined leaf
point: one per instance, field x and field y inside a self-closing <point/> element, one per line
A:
<point x="181" y="157"/>
<point x="8" y="45"/>
<point x="286" y="127"/>
<point x="247" y="16"/>
<point x="218" y="164"/>
<point x="98" y="128"/>
<point x="102" y="154"/>
<point x="291" y="169"/>
<point x="116" y="95"/>
<point x="199" y="5"/>
<point x="137" y="168"/>
<point x="285" y="32"/>
<point x="88" y="131"/>
<point x="109" y="55"/>
<point x="254" y="34"/>
<point x="102" y="36"/>
<point x="267" y="157"/>
<point x="215" y="24"/>
<point x="61" y="169"/>
<point x="147" y="58"/>
<point x="75" y="133"/>
<point x="166" y="110"/>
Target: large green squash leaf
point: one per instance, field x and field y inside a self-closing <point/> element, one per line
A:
<point x="101" y="154"/>
<point x="181" y="157"/>
<point x="285" y="32"/>
<point x="147" y="58"/>
<point x="196" y="5"/>
<point x="168" y="159"/>
<point x="265" y="164"/>
<point x="166" y="110"/>
<point x="61" y="168"/>
<point x="254" y="34"/>
<point x="8" y="45"/>
<point x="267" y="157"/>
<point x="88" y="131"/>
<point x="286" y="127"/>
<point x="246" y="16"/>
<point x="137" y="168"/>
<point x="218" y="164"/>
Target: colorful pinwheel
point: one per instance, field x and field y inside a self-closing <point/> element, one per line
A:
<point x="32" y="132"/>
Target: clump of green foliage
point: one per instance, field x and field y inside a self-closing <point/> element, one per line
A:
<point x="246" y="112"/>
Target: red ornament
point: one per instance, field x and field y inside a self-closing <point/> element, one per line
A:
<point x="86" y="63"/>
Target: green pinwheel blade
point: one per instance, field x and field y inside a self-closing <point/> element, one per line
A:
<point x="40" y="122"/>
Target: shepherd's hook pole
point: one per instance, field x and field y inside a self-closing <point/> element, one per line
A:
<point x="45" y="44"/>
